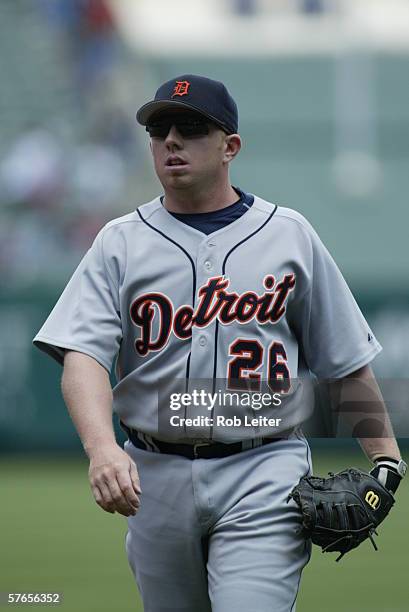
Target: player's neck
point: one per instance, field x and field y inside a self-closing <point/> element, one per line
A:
<point x="206" y="200"/>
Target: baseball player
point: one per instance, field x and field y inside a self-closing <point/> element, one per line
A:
<point x="206" y="282"/>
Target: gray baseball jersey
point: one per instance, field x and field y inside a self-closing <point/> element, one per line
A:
<point x="259" y="299"/>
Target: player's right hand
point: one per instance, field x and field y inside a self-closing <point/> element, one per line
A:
<point x="114" y="480"/>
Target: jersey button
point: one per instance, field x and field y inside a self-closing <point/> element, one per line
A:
<point x="202" y="341"/>
<point x="208" y="265"/>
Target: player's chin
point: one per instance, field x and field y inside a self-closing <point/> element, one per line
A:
<point x="177" y="179"/>
<point x="181" y="177"/>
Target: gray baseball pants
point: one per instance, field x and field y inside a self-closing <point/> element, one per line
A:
<point x="217" y="535"/>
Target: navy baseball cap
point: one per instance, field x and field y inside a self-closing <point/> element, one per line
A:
<point x="189" y="91"/>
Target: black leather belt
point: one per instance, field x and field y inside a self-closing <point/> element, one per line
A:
<point x="200" y="450"/>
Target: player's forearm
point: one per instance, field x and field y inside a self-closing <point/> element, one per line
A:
<point x="375" y="448"/>
<point x="87" y="392"/>
<point x="360" y="388"/>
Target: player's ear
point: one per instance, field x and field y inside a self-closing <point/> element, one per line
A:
<point x="232" y="147"/>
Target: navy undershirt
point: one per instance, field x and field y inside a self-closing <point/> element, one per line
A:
<point x="209" y="222"/>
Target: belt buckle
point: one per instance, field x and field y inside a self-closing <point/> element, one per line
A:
<point x="195" y="447"/>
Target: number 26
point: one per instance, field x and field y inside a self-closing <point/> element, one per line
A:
<point x="248" y="357"/>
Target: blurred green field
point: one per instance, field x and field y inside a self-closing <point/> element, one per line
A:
<point x="54" y="538"/>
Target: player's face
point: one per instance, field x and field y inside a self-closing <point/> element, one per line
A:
<point x="189" y="151"/>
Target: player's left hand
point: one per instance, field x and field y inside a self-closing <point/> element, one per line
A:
<point x="340" y="512"/>
<point x="114" y="480"/>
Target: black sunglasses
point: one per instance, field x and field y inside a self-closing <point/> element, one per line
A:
<point x="188" y="126"/>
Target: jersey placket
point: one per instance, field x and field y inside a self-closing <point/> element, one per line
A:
<point x="203" y="347"/>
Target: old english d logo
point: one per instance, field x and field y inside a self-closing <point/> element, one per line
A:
<point x="372" y="499"/>
<point x="181" y="88"/>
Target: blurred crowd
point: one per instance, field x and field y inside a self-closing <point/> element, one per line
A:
<point x="307" y="7"/>
<point x="55" y="198"/>
<point x="87" y="29"/>
<point x="61" y="183"/>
